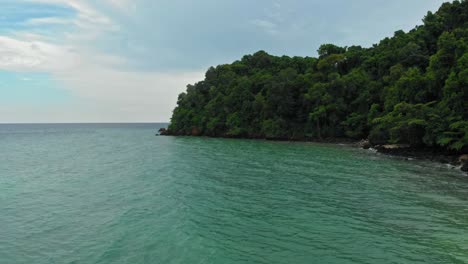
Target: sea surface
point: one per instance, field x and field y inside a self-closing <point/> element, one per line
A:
<point x="116" y="193"/>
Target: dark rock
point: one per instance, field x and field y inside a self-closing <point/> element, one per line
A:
<point x="463" y="158"/>
<point x="163" y="131"/>
<point x="195" y="131"/>
<point x="365" y="144"/>
<point x="464" y="162"/>
<point x="395" y="149"/>
<point x="464" y="167"/>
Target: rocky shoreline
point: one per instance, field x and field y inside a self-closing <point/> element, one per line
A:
<point x="401" y="150"/>
<point x="432" y="154"/>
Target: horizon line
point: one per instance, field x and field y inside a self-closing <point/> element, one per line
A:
<point x="58" y="123"/>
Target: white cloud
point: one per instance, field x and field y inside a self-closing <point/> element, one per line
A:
<point x="34" y="55"/>
<point x="103" y="95"/>
<point x="96" y="81"/>
<point x="87" y="16"/>
<point x="104" y="91"/>
<point x="47" y="20"/>
<point x="143" y="96"/>
<point x="125" y="6"/>
<point x="272" y="20"/>
<point x="266" y="25"/>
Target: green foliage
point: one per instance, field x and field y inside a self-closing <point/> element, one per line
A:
<point x="405" y="124"/>
<point x="329" y="49"/>
<point x="410" y="88"/>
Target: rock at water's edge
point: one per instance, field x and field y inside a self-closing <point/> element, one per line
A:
<point x="464" y="162"/>
<point x="393" y="148"/>
<point x="365" y="144"/>
<point x="163" y="131"/>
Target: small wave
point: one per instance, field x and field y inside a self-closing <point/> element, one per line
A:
<point x="373" y="150"/>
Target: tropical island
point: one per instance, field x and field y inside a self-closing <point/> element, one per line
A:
<point x="409" y="90"/>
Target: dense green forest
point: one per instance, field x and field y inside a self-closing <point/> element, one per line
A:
<point x="411" y="88"/>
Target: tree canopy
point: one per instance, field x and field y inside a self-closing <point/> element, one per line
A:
<point x="410" y="88"/>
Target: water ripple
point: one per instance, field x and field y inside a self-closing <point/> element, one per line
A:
<point x="91" y="194"/>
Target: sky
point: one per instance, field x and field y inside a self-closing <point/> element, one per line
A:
<point x="127" y="60"/>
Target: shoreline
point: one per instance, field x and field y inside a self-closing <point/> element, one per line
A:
<point x="398" y="150"/>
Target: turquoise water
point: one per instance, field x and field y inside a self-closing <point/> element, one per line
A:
<point x="118" y="194"/>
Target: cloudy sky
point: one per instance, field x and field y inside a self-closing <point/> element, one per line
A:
<point x="127" y="60"/>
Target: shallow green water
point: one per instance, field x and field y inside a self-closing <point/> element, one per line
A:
<point x="118" y="194"/>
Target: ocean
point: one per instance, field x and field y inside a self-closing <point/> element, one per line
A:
<point x="116" y="193"/>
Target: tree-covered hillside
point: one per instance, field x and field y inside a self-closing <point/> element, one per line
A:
<point x="411" y="88"/>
